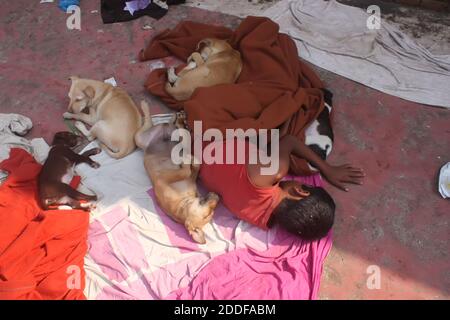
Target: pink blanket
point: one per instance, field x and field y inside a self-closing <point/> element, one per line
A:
<point x="137" y="252"/>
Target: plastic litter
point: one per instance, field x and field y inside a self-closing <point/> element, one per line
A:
<point x="132" y="6"/>
<point x="147" y="27"/>
<point x="444" y="181"/>
<point x="111" y="81"/>
<point x="64" y="4"/>
<point x="157" y="65"/>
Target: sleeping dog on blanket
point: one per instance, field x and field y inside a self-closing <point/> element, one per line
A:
<point x="174" y="185"/>
<point x="215" y="62"/>
<point x="58" y="171"/>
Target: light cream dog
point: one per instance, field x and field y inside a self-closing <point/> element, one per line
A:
<point x="215" y="62"/>
<point x="174" y="185"/>
<point x="111" y="112"/>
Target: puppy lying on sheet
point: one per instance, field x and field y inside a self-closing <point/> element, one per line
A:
<point x="58" y="171"/>
<point x="216" y="62"/>
<point x="111" y="112"/>
<point x="174" y="185"/>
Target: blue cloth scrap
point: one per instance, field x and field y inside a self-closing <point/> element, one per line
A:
<point x="64" y="4"/>
<point x="132" y="6"/>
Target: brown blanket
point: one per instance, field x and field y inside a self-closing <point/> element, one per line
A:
<point x="274" y="86"/>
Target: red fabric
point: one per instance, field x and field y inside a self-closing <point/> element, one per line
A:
<point x="274" y="86"/>
<point x="237" y="193"/>
<point x="75" y="182"/>
<point x="40" y="251"/>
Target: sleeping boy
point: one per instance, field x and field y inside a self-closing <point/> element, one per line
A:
<point x="265" y="200"/>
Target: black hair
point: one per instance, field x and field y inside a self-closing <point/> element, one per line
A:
<point x="310" y="218"/>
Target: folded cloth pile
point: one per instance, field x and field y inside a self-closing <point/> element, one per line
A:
<point x="274" y="87"/>
<point x="41" y="252"/>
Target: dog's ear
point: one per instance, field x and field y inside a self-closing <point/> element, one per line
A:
<point x="89" y="92"/>
<point x="203" y="43"/>
<point x="73" y="78"/>
<point x="198" y="235"/>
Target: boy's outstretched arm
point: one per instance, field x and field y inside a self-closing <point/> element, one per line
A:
<point x="290" y="145"/>
<point x="336" y="175"/>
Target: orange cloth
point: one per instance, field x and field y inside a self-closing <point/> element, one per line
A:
<point x="273" y="87"/>
<point x="41" y="252"/>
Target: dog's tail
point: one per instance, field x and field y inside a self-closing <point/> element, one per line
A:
<point x="146" y="124"/>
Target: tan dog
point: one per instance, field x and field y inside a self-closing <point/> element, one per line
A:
<point x="114" y="117"/>
<point x="216" y="62"/>
<point x="174" y="185"/>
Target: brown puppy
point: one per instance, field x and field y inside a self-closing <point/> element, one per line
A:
<point x="58" y="170"/>
<point x="111" y="112"/>
<point x="216" y="62"/>
<point x="175" y="185"/>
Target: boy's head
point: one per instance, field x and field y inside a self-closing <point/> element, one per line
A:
<point x="309" y="216"/>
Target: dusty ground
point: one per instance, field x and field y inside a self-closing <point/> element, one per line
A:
<point x="429" y="28"/>
<point x="239" y="8"/>
<point x="396" y="221"/>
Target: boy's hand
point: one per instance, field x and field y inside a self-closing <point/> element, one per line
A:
<point x="339" y="175"/>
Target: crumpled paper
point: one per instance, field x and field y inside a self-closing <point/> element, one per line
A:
<point x="111" y="81"/>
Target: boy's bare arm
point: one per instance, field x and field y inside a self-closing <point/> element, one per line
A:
<point x="290" y="145"/>
<point x="336" y="175"/>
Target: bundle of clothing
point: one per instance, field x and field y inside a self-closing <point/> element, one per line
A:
<point x="122" y="10"/>
<point x="13" y="127"/>
<point x="274" y="88"/>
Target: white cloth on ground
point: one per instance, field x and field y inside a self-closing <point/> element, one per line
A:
<point x="335" y="37"/>
<point x="12" y="127"/>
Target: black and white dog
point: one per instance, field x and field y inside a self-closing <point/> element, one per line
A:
<point x="319" y="135"/>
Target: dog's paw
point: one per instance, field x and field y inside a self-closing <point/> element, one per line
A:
<point x="89" y="206"/>
<point x="171" y="76"/>
<point x="64" y="207"/>
<point x="80" y="126"/>
<point x="67" y="115"/>
<point x="96" y="151"/>
<point x="94" y="164"/>
<point x="198" y="235"/>
<point x="84" y="131"/>
<point x="212" y="196"/>
<point x="212" y="199"/>
<point x="180" y="118"/>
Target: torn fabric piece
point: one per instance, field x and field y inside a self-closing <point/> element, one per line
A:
<point x="132" y="6"/>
